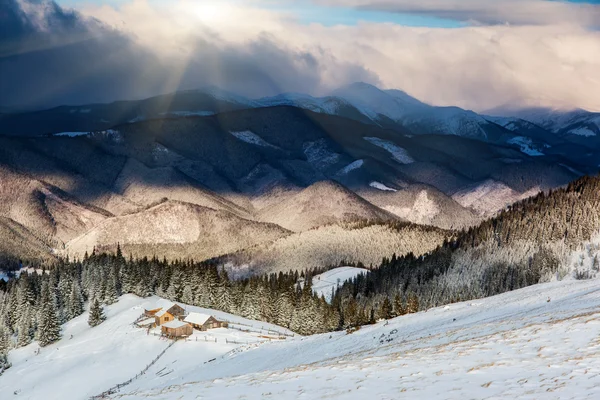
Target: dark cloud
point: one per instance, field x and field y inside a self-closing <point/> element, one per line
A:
<point x="50" y="56"/>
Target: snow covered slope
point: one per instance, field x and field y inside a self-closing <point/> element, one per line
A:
<point x="538" y="342"/>
<point x="324" y="283"/>
<point x="87" y="361"/>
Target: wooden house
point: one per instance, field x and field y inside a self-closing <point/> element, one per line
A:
<point x="165" y="305"/>
<point x="176" y="329"/>
<point x="203" y="322"/>
<point x="163" y="317"/>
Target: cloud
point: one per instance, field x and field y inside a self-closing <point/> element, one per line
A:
<point x="488" y="12"/>
<point x="143" y="48"/>
<point x="140" y="50"/>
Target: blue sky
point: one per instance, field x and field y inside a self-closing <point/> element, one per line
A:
<point x="309" y="12"/>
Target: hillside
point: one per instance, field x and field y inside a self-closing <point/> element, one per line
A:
<point x="421" y="204"/>
<point x="18" y="244"/>
<point x="334" y="244"/>
<point x="48" y="212"/>
<point x="500" y="346"/>
<point x="321" y="204"/>
<point x="527" y="243"/>
<point x="90" y="360"/>
<point x="176" y="230"/>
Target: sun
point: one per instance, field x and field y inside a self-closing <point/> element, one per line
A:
<point x="211" y="12"/>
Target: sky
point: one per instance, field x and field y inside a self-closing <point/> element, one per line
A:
<point x="476" y="54"/>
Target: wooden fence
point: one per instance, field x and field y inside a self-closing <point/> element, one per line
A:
<point x="250" y="328"/>
<point x="117" y="387"/>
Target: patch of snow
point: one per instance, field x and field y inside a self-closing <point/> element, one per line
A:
<point x="85" y="110"/>
<point x="526" y="146"/>
<point x="252" y="138"/>
<point x="323" y="284"/>
<point x="72" y="134"/>
<point x="351" y="167"/>
<point x="583" y="131"/>
<point x="326" y="105"/>
<point x="398" y="153"/>
<point x="381" y="186"/>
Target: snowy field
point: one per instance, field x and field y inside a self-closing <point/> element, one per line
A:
<point x="95" y="359"/>
<point x="323" y="284"/>
<point x="516" y="345"/>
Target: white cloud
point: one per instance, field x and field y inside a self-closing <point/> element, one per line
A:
<point x="256" y="51"/>
<point x="473" y="67"/>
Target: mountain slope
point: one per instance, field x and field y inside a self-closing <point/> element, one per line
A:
<point x="18" y="244"/>
<point x="335" y="244"/>
<point x="321" y="204"/>
<point x="421" y="204"/>
<point x="176" y="230"/>
<point x="49" y="213"/>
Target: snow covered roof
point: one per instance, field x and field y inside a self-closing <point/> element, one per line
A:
<point x="197" y="318"/>
<point x="161" y="313"/>
<point x="174" y="324"/>
<point x="164" y="304"/>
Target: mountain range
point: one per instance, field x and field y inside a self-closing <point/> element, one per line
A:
<point x="208" y="173"/>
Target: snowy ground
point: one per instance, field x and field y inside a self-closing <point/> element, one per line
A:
<point x="398" y="153"/>
<point x="96" y="359"/>
<point x="324" y="283"/>
<point x="516" y="345"/>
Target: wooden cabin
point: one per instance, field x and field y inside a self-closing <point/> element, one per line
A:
<point x="174" y="309"/>
<point x="163" y="317"/>
<point x="176" y="329"/>
<point x="203" y="322"/>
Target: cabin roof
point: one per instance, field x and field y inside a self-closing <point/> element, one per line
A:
<point x="161" y="313"/>
<point x="197" y="318"/>
<point x="174" y="324"/>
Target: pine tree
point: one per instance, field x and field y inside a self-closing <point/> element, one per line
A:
<point x="4" y="364"/>
<point x="49" y="327"/>
<point x="96" y="314"/>
<point x="25" y="331"/>
<point x="188" y="296"/>
<point x="111" y="294"/>
<point x="399" y="308"/>
<point x="385" y="311"/>
<point x="412" y="305"/>
<point x="75" y="305"/>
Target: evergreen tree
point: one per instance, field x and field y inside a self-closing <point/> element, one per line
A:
<point x="96" y="314"/>
<point x="4" y="364"/>
<point x="385" y="311"/>
<point x="25" y="331"/>
<point x="412" y="304"/>
<point x="49" y="326"/>
<point x="399" y="308"/>
<point x="75" y="305"/>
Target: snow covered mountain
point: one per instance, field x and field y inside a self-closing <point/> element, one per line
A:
<point x="576" y="122"/>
